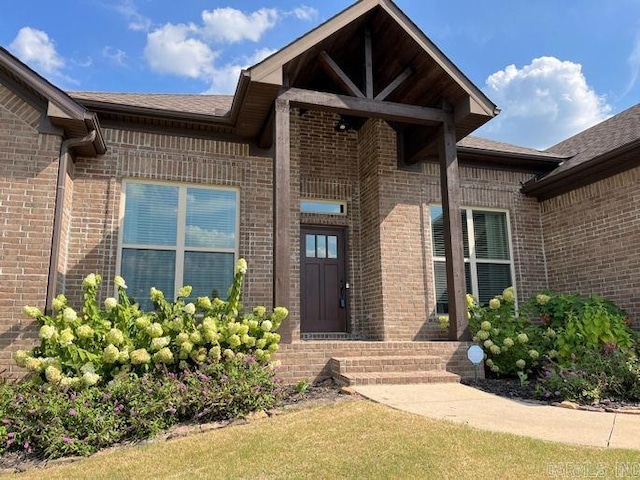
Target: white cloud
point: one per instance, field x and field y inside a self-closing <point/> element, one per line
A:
<point x="191" y="50"/>
<point x="35" y="47"/>
<point x="117" y="56"/>
<point x="173" y="49"/>
<point x="129" y="10"/>
<point x="304" y="12"/>
<point x="228" y="25"/>
<point x="225" y="78"/>
<point x="542" y="103"/>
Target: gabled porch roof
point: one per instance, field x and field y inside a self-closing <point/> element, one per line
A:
<point x="371" y="50"/>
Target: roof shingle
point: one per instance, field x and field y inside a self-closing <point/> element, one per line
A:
<point x="613" y="133"/>
<point x="215" y="105"/>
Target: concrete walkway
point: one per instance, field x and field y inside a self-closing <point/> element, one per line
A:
<point x="462" y="404"/>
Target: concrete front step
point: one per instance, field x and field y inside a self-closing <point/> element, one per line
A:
<point x="386" y="363"/>
<point x="396" y="378"/>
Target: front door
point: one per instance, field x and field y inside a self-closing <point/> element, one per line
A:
<point x="323" y="280"/>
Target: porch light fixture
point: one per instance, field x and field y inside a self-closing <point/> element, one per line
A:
<point x="343" y="124"/>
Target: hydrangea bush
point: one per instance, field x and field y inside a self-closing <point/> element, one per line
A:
<point x="511" y="343"/>
<point x="578" y="348"/>
<point x="83" y="348"/>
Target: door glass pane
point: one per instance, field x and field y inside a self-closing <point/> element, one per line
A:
<point x="210" y="274"/>
<point x="492" y="280"/>
<point x="491" y="236"/>
<point x="150" y="214"/>
<point x="143" y="269"/>
<point x="310" y="246"/>
<point x="211" y="218"/>
<point x="321" y="241"/>
<point x="332" y="246"/>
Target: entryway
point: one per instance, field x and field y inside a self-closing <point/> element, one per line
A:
<point x="323" y="279"/>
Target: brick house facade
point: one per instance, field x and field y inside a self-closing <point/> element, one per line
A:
<point x="382" y="173"/>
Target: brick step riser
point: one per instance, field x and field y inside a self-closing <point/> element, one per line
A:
<point x="381" y="380"/>
<point x="400" y="367"/>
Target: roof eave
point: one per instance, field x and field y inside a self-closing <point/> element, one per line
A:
<point x="593" y="170"/>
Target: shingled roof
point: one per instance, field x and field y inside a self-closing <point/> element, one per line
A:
<point x="214" y="105"/>
<point x="606" y="149"/>
<point x="607" y="136"/>
<point x="486" y="145"/>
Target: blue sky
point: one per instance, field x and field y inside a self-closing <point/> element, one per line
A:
<point x="554" y="67"/>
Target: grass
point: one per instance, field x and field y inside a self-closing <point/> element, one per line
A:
<point x="356" y="439"/>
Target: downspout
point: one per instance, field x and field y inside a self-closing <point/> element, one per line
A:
<point x="63" y="164"/>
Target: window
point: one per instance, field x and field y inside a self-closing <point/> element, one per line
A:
<point x="487" y="254"/>
<point x="175" y="235"/>
<point x="326" y="207"/>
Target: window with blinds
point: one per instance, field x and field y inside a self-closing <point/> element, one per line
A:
<point x="487" y="254"/>
<point x="175" y="235"/>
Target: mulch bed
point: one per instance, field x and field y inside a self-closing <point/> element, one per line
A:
<point x="513" y="389"/>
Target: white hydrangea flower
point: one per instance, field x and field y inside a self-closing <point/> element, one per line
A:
<point x="119" y="281"/>
<point x="59" y="302"/>
<point x="241" y="266"/>
<point x="185" y="291"/>
<point x="69" y="315"/>
<point x="90" y="280"/>
<point x="266" y="326"/>
<point x="31" y="312"/>
<point x="53" y="374"/>
<point x="47" y="332"/>
<point x="90" y="379"/>
<point x="189" y="308"/>
<point x="110" y="303"/>
<point x="494" y="304"/>
<point x="521" y="364"/>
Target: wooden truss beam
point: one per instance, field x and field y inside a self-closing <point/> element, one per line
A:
<point x="389" y="89"/>
<point x="364" y="107"/>
<point x="337" y="74"/>
<point x="368" y="64"/>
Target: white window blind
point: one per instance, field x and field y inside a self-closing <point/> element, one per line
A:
<point x="175" y="235"/>
<point x="487" y="252"/>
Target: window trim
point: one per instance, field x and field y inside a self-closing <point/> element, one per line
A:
<point x="179" y="248"/>
<point x="473" y="261"/>
<point x="342" y="203"/>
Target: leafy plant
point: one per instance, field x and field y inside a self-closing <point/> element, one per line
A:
<point x="102" y="343"/>
<point x="56" y="422"/>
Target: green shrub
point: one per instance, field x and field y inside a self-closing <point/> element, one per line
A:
<point x="582" y="325"/>
<point x="55" y="422"/>
<point x="610" y="374"/>
<point x="79" y="350"/>
<point x="511" y="343"/>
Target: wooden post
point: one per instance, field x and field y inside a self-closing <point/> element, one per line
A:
<point x="453" y="248"/>
<point x="282" y="212"/>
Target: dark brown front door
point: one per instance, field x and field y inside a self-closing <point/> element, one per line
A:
<point x="323" y="280"/>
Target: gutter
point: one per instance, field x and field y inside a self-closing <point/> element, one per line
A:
<point x="63" y="164"/>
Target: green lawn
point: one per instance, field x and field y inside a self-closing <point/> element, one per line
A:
<point x="356" y="439"/>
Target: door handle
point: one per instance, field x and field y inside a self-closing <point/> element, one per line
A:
<point x="343" y="300"/>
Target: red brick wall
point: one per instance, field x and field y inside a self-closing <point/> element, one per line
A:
<point x="28" y="172"/>
<point x="591" y="239"/>
<point x="96" y="207"/>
